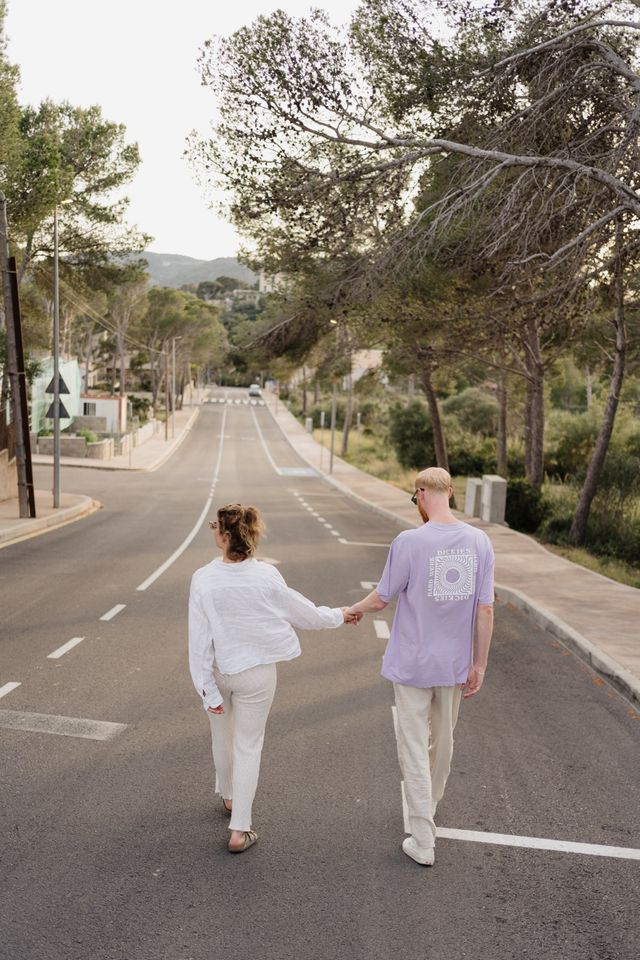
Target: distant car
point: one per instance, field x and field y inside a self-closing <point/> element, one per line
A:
<point x="254" y="390"/>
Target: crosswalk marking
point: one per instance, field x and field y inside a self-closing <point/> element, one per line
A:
<point x="62" y="726"/>
<point x="382" y="629"/>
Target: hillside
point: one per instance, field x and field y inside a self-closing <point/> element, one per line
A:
<point x="174" y="270"/>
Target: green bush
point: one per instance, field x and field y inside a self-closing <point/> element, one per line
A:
<point x="525" y="506"/>
<point x="89" y="436"/>
<point x="560" y="504"/>
<point x="314" y="413"/>
<point x="411" y="434"/>
<point x="571" y="439"/>
<point x="469" y="454"/>
<point x="614" y="527"/>
<point x="474" y="409"/>
<point x="621" y="474"/>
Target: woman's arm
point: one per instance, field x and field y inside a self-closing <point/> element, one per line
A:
<point x="201" y="654"/>
<point x="302" y="612"/>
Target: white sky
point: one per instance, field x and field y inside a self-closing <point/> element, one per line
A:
<point x="137" y="59"/>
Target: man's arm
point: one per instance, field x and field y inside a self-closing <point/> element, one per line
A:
<point x="368" y="604"/>
<point x="483" y="633"/>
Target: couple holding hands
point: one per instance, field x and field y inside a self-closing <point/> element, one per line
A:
<point x="242" y="616"/>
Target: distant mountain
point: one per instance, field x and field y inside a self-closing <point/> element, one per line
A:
<point x="173" y="270"/>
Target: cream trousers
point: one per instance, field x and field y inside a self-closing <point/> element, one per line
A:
<point x="425" y="757"/>
<point x="237" y="736"/>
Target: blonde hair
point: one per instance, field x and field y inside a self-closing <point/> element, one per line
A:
<point x="435" y="479"/>
<point x="244" y="525"/>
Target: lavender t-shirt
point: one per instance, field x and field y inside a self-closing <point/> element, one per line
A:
<point x="440" y="573"/>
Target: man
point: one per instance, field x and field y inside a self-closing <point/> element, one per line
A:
<point x="442" y="574"/>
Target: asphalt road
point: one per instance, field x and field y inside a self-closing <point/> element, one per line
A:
<point x="114" y="849"/>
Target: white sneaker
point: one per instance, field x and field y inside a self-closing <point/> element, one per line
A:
<point x="424" y="855"/>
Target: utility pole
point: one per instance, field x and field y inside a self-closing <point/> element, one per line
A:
<point x="166" y="391"/>
<point x="56" y="364"/>
<point x="333" y="427"/>
<point x="12" y="358"/>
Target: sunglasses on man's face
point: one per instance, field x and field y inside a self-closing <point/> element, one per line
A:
<point x="414" y="498"/>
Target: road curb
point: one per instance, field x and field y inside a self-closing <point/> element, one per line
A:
<point x="34" y="527"/>
<point x="601" y="662"/>
<point x="613" y="672"/>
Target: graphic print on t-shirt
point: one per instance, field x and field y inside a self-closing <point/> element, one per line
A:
<point x="452" y="574"/>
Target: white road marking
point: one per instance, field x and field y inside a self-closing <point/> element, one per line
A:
<point x="511" y="840"/>
<point x="360" y="543"/>
<point x="321" y="520"/>
<point x="539" y="843"/>
<point x="264" y="442"/>
<point x="185" y="543"/>
<point x="8" y="687"/>
<point x="69" y="645"/>
<point x="314" y="513"/>
<point x="110" y="614"/>
<point x="334" y="533"/>
<point x="63" y="726"/>
<point x="368" y="584"/>
<point x="328" y="525"/>
<point x="382" y="629"/>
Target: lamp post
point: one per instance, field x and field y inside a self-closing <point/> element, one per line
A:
<point x="173" y="385"/>
<point x="56" y="364"/>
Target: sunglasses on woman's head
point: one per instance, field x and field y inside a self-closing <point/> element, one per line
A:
<point x="213" y="524"/>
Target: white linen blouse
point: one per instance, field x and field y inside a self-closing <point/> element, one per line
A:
<point x="241" y="616"/>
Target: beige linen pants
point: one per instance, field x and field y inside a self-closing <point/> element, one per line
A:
<point x="237" y="736"/>
<point x="425" y="760"/>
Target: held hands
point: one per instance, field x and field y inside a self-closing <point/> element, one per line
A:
<point x="351" y="616"/>
<point x="474" y="682"/>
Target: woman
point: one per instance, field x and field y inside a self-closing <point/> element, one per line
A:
<point x="241" y="614"/>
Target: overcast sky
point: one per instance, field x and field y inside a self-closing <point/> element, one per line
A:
<point x="137" y="59"/>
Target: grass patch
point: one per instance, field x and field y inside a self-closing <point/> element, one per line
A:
<point x="608" y="566"/>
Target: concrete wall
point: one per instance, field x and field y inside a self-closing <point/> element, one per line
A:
<point x="69" y="446"/>
<point x="97" y="424"/>
<point x="8" y="476"/>
<point x="102" y="450"/>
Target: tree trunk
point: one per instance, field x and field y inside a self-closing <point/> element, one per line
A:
<point x="315" y="392"/>
<point x="534" y="408"/>
<point x="439" y="443"/>
<point x="122" y="358"/>
<point x="589" y="386"/>
<point x="578" y="532"/>
<point x="87" y="361"/>
<point x="348" y="416"/>
<point x="502" y="425"/>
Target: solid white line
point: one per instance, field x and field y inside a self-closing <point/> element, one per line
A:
<point x="264" y="442"/>
<point x="540" y="843"/>
<point x="185" y="543"/>
<point x="110" y="614"/>
<point x="69" y="645"/>
<point x="368" y="584"/>
<point x="63" y="726"/>
<point x="382" y="629"/>
<point x="8" y="687"/>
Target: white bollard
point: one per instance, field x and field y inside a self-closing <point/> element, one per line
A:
<point x="308" y="424"/>
<point x="494" y="498"/>
<point x="473" y="497"/>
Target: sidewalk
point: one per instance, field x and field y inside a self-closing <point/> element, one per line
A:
<point x="147" y="457"/>
<point x="596" y="617"/>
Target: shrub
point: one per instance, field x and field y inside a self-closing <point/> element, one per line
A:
<point x="621" y="474"/>
<point x="572" y="438"/>
<point x="525" y="506"/>
<point x="89" y="436"/>
<point x="475" y="410"/>
<point x="470" y="454"/>
<point x="560" y="504"/>
<point x="411" y="434"/>
<point x="314" y="413"/>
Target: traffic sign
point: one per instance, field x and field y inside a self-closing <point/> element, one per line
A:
<point x="62" y="411"/>
<point x="62" y="387"/>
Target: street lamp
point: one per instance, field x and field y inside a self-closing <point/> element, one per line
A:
<point x="173" y="385"/>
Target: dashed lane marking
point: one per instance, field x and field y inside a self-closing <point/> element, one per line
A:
<point x="8" y="687"/>
<point x="368" y="584"/>
<point x="62" y="726"/>
<point x="110" y="614"/>
<point x="360" y="543"/>
<point x="69" y="645"/>
<point x="382" y="629"/>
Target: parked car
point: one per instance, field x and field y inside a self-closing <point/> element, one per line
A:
<point x="254" y="390"/>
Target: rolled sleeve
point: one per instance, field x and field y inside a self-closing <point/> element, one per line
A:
<point x="201" y="653"/>
<point x="395" y="576"/>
